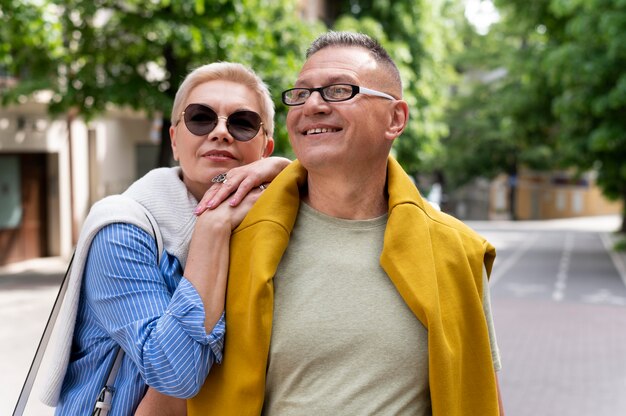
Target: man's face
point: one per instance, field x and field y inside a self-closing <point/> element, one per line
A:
<point x="349" y="134"/>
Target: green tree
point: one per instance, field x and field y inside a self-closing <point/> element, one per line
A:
<point x="135" y="53"/>
<point x="500" y="117"/>
<point x="587" y="69"/>
<point x="581" y="66"/>
<point x="30" y="45"/>
<point x="560" y="100"/>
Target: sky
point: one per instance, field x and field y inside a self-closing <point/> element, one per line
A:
<point x="481" y="13"/>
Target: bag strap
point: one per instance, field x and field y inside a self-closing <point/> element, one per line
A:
<point x="105" y="398"/>
<point x="27" y="387"/>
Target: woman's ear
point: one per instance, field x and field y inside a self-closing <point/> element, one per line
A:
<point x="173" y="142"/>
<point x="399" y="119"/>
<point x="269" y="147"/>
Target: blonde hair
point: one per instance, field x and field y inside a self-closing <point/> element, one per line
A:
<point x="227" y="71"/>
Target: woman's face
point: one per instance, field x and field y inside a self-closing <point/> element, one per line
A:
<point x="203" y="157"/>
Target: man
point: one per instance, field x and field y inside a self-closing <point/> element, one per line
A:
<point x="348" y="293"/>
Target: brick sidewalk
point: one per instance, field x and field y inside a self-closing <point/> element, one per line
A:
<point x="567" y="360"/>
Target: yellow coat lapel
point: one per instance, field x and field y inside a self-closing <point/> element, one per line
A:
<point x="423" y="257"/>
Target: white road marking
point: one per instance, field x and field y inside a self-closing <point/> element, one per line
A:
<point x="561" y="277"/>
<point x="500" y="270"/>
<point x="521" y="289"/>
<point x="604" y="296"/>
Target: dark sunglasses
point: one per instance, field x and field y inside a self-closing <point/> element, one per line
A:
<point x="201" y="120"/>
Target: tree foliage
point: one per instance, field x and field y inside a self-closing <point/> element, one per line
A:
<point x="500" y="117"/>
<point x="133" y="53"/>
<point x="561" y="97"/>
<point x="587" y="69"/>
<point x="30" y="45"/>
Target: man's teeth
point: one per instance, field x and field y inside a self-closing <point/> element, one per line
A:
<point x="320" y="130"/>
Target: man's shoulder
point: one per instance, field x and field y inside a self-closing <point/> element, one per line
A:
<point x="442" y="223"/>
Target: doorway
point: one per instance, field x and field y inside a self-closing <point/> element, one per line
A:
<point x="23" y="196"/>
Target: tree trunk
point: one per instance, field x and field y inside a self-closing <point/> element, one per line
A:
<point x="165" y="149"/>
<point x="177" y="70"/>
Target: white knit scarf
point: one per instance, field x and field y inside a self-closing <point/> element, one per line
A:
<point x="164" y="195"/>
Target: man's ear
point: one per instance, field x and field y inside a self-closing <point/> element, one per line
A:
<point x="269" y="147"/>
<point x="173" y="142"/>
<point x="399" y="119"/>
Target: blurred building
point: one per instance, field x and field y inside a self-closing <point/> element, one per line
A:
<point x="53" y="169"/>
<point x="549" y="195"/>
<point x="533" y="195"/>
<point x="470" y="202"/>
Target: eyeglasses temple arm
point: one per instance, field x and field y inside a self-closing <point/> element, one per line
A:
<point x="368" y="91"/>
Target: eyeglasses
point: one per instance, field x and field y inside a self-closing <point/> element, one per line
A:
<point x="201" y="120"/>
<point x="330" y="93"/>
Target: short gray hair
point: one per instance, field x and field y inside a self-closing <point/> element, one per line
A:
<point x="227" y="71"/>
<point x="357" y="40"/>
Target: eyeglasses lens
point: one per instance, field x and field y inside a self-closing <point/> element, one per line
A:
<point x="242" y="125"/>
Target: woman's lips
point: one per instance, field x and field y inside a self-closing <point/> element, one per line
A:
<point x="218" y="155"/>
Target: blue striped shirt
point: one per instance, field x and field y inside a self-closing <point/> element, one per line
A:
<point x="151" y="310"/>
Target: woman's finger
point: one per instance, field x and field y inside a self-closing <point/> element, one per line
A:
<point x="223" y="185"/>
<point x="239" y="181"/>
<point x="224" y="189"/>
<point x="246" y="185"/>
<point x="208" y="196"/>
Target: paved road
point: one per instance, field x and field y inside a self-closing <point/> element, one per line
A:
<point x="27" y="293"/>
<point x="560" y="312"/>
<point x="559" y="305"/>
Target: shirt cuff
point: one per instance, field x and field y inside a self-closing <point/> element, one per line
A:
<point x="187" y="309"/>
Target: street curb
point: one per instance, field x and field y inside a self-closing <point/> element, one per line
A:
<point x="618" y="258"/>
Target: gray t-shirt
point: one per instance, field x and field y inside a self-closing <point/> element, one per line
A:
<point x="343" y="340"/>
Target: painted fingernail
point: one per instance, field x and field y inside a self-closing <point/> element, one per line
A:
<point x="197" y="210"/>
<point x="211" y="204"/>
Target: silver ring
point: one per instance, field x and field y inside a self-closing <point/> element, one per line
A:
<point x="221" y="178"/>
<point x="262" y="187"/>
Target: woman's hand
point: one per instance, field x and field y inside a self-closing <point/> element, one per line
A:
<point x="226" y="214"/>
<point x="240" y="181"/>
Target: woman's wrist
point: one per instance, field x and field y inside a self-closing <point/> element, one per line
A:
<point x="215" y="222"/>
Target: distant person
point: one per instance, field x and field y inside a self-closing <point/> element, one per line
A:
<point x="348" y="294"/>
<point x="165" y="309"/>
<point x="435" y="195"/>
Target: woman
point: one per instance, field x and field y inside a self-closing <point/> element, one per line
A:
<point x="165" y="309"/>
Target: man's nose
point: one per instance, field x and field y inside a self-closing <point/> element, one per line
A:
<point x="315" y="103"/>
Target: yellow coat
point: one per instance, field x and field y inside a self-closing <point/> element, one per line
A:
<point x="434" y="261"/>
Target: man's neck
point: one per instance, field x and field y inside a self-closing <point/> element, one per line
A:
<point x="354" y="197"/>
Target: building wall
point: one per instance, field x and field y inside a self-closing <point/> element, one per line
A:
<point x="550" y="195"/>
<point x="27" y="129"/>
<point x="102" y="157"/>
